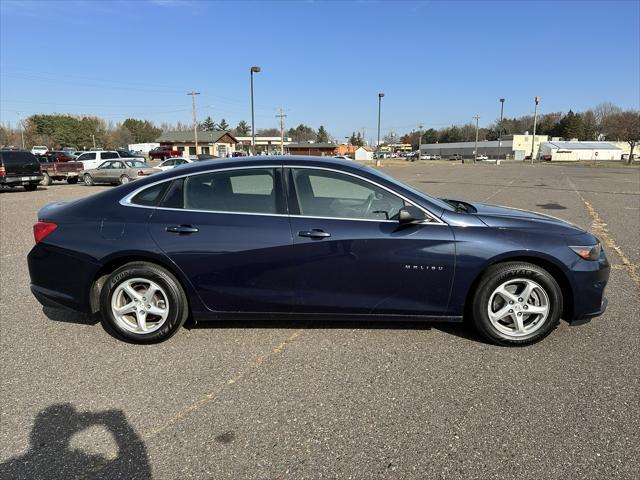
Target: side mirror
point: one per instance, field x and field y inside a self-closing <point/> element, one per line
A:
<point x="411" y="214"/>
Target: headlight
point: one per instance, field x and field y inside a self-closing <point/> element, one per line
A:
<point x="588" y="252"/>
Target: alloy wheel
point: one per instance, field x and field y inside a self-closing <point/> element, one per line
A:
<point x="518" y="307"/>
<point x="139" y="305"/>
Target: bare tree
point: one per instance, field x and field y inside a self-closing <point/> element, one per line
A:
<point x="625" y="127"/>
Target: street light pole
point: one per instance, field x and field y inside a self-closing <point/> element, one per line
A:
<point x="420" y="127"/>
<point x="535" y="122"/>
<point x="475" y="152"/>
<point x="380" y="95"/>
<point x="254" y="69"/>
<point x="500" y="125"/>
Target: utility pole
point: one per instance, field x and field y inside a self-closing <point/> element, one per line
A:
<point x="21" y="128"/>
<point x="193" y="114"/>
<point x="252" y="70"/>
<point x="420" y="127"/>
<point x="535" y="123"/>
<point x="282" y="116"/>
<point x="378" y="162"/>
<point x="500" y="125"/>
<point x="475" y="153"/>
<point x="94" y="140"/>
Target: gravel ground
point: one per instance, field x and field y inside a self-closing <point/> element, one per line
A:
<point x="300" y="399"/>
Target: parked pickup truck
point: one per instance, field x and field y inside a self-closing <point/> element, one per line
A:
<point x="53" y="169"/>
<point x="162" y="153"/>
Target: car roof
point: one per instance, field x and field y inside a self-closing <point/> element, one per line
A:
<point x="270" y="160"/>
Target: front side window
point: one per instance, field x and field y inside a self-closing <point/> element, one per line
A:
<point x="243" y="191"/>
<point x="322" y="193"/>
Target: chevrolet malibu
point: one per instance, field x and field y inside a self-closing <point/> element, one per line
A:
<point x="291" y="236"/>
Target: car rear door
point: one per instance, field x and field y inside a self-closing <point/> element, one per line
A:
<point x="353" y="256"/>
<point x="227" y="230"/>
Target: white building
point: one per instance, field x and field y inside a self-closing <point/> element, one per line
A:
<point x="574" y="151"/>
<point x="515" y="147"/>
<point x="363" y="154"/>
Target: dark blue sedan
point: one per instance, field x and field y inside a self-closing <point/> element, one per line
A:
<point x="288" y="236"/>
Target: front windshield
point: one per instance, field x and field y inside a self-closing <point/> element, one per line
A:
<point x="440" y="203"/>
<point x="136" y="164"/>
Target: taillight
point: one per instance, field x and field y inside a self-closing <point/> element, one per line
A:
<point x="42" y="229"/>
<point x="3" y="172"/>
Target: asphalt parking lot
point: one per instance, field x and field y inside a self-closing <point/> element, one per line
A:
<point x="333" y="400"/>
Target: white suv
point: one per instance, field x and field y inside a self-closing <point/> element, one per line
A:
<point x="39" y="150"/>
<point x="94" y="159"/>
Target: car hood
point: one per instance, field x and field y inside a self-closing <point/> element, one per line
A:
<point x="498" y="216"/>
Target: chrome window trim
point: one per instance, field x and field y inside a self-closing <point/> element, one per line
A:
<point x="126" y="201"/>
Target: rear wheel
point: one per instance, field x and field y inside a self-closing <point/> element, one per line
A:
<point x="124" y="179"/>
<point x="46" y="179"/>
<point x="143" y="303"/>
<point x="516" y="303"/>
<point x="72" y="180"/>
<point x="88" y="180"/>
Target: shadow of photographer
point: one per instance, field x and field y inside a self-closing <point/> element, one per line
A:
<point x="52" y="453"/>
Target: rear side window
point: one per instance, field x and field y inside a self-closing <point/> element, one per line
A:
<point x="242" y="191"/>
<point x="151" y="196"/>
<point x="87" y="156"/>
<point x="109" y="155"/>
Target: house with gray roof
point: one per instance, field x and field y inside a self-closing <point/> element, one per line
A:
<point x="217" y="143"/>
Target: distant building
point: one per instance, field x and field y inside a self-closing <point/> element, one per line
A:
<point x="574" y="151"/>
<point x="313" y="148"/>
<point x="264" y="145"/>
<point x="515" y="147"/>
<point x="363" y="154"/>
<point x="216" y="143"/>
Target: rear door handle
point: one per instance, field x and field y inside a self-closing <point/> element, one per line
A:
<point x="182" y="229"/>
<point x="315" y="233"/>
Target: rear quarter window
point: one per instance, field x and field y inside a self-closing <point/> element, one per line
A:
<point x="150" y="197"/>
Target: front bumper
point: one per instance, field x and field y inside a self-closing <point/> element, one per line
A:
<point x="589" y="280"/>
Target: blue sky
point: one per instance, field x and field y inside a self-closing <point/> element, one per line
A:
<point x="324" y="62"/>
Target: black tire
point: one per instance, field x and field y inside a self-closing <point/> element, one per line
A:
<point x="30" y="187"/>
<point x="88" y="180"/>
<point x="72" y="180"/>
<point x="496" y="276"/>
<point x="46" y="179"/>
<point x="177" y="302"/>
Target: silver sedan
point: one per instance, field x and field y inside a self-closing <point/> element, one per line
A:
<point x="117" y="172"/>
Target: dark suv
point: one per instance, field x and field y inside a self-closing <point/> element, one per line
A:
<point x="19" y="168"/>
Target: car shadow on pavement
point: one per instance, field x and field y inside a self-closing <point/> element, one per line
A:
<point x="54" y="453"/>
<point x="461" y="330"/>
<point x="69" y="316"/>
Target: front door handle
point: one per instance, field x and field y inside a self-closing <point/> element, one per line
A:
<point x="182" y="229"/>
<point x="315" y="233"/>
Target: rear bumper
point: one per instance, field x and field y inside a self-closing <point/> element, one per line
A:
<point x="23" y="180"/>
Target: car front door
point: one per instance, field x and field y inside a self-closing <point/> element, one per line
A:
<point x="353" y="255"/>
<point x="229" y="233"/>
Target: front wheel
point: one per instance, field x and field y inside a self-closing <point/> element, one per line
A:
<point x="143" y="303"/>
<point x="516" y="303"/>
<point x="88" y="180"/>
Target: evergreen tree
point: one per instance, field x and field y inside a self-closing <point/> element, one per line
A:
<point x="322" y="135"/>
<point x="223" y="125"/>
<point x="208" y="125"/>
<point x="242" y="130"/>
